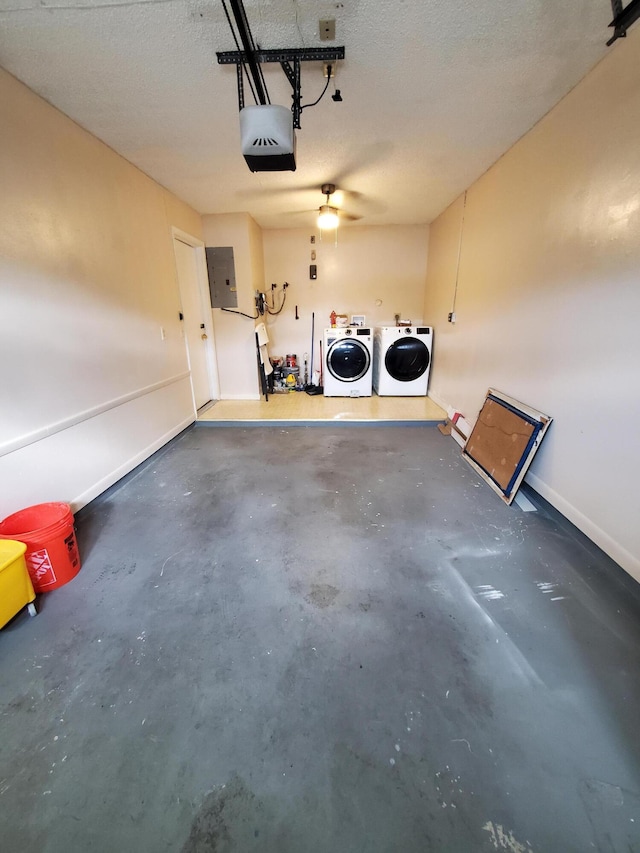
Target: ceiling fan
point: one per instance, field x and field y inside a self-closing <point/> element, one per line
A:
<point x="329" y="215"/>
<point x="334" y="199"/>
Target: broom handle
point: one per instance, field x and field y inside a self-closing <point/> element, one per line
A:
<point x="313" y="320"/>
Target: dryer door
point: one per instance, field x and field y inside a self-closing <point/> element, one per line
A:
<point x="406" y="359"/>
<point x="348" y="360"/>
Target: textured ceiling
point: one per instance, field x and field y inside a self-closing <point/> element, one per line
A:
<point x="434" y="92"/>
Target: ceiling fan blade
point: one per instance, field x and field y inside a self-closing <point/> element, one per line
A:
<point x="291" y="189"/>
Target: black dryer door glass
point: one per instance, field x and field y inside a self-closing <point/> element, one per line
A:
<point x="348" y="360"/>
<point x="406" y="359"/>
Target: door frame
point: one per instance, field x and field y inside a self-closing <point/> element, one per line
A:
<point x="204" y="298"/>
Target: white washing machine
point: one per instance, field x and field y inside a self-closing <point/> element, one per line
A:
<point x="401" y="360"/>
<point x="348" y="358"/>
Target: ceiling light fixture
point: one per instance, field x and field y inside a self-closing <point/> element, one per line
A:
<point x="328" y="218"/>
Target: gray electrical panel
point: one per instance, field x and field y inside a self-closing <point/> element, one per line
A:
<point x="222" y="276"/>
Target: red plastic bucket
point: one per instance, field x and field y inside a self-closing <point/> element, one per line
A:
<point x="52" y="552"/>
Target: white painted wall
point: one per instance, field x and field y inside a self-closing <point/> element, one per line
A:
<point x="370" y="265"/>
<point x="87" y="280"/>
<point x="234" y="334"/>
<point x="548" y="299"/>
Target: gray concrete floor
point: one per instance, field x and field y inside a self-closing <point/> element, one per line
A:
<point x="323" y="639"/>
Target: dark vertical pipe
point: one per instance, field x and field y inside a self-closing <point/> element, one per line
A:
<point x="313" y="328"/>
<point x="243" y="30"/>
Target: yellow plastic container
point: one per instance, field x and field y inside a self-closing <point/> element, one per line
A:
<point x="16" y="589"/>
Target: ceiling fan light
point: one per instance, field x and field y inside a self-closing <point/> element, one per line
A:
<point x="327" y="217"/>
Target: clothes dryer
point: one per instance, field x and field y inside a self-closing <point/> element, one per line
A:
<point x="348" y="358"/>
<point x="402" y="360"/>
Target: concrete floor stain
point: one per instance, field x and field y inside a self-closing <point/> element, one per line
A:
<point x="353" y="697"/>
<point x="322" y="595"/>
<point x="222" y="813"/>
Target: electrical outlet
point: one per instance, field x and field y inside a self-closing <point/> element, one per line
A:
<point x="329" y="66"/>
<point x="452" y="317"/>
<point x="327" y="29"/>
<point x="313" y="238"/>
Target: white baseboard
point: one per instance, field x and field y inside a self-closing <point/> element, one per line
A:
<point x="240" y="397"/>
<point x="113" y="477"/>
<point x="617" y="552"/>
<point x="602" y="539"/>
<point x="438" y="401"/>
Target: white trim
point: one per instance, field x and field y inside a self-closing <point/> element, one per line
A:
<point x="47" y="431"/>
<point x="205" y="301"/>
<point x="117" y="474"/>
<point x="624" y="558"/>
<point x="438" y="401"/>
<point x="186" y="238"/>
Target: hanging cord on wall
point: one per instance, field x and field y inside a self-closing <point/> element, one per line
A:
<point x="284" y="299"/>
<point x="455" y="290"/>
<point x="240" y="313"/>
<point x="258" y="314"/>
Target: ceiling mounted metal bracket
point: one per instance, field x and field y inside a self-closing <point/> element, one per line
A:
<point x="240" y="82"/>
<point x="293" y="76"/>
<point x="285" y="57"/>
<point x="304" y="54"/>
<point x="623" y="17"/>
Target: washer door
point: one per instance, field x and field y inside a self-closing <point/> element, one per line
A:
<point x="406" y="359"/>
<point x="348" y="360"/>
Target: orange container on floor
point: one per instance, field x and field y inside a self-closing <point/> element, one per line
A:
<point x="52" y="552"/>
<point x="16" y="589"/>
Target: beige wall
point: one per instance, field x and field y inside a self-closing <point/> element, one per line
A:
<point x="87" y="280"/>
<point x="234" y="334"/>
<point x="548" y="299"/>
<point x="375" y="271"/>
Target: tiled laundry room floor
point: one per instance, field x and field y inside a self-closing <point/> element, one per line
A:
<point x="299" y="407"/>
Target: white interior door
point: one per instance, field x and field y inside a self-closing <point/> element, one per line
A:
<point x="195" y="325"/>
